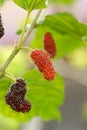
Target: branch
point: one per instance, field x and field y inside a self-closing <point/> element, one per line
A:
<point x="20" y="43"/>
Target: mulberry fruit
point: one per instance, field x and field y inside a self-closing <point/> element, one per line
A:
<point x="41" y="59"/>
<point x="1" y="28"/>
<point x="21" y="81"/>
<point x="14" y="101"/>
<point x="25" y="106"/>
<point x="49" y="45"/>
<point x="19" y="88"/>
<point x="15" y="97"/>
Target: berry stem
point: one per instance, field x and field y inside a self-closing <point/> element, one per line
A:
<point x="24" y="28"/>
<point x="17" y="48"/>
<point x="10" y="58"/>
<point x="27" y="48"/>
<point x="10" y="76"/>
<point x="32" y="26"/>
<point x="20" y="43"/>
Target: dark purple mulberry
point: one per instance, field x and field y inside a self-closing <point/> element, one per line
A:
<point x="1" y="28"/>
<point x="13" y="101"/>
<point x="25" y="106"/>
<point x="21" y="81"/>
<point x="18" y="89"/>
<point x="15" y="97"/>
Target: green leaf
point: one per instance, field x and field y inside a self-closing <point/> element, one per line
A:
<point x="45" y="97"/>
<point x="31" y="4"/>
<point x="62" y="1"/>
<point x="18" y="32"/>
<point x="2" y="2"/>
<point x="65" y="23"/>
<point x="65" y="44"/>
<point x="68" y="33"/>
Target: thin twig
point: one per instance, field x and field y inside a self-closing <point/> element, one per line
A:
<point x="20" y="43"/>
<point x="32" y="26"/>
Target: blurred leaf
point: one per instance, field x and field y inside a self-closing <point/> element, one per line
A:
<point x="18" y="61"/>
<point x="8" y="124"/>
<point x="2" y="2"/>
<point x="84" y="111"/>
<point x="18" y="32"/>
<point x="31" y="4"/>
<point x="62" y="1"/>
<point x="78" y="58"/>
<point x="45" y="97"/>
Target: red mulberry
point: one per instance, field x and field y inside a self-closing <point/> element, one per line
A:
<point x="49" y="45"/>
<point x="1" y="28"/>
<point x="41" y="59"/>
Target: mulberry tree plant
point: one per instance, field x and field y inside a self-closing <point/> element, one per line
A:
<point x="39" y="91"/>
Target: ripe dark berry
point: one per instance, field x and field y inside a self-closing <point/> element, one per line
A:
<point x="25" y="106"/>
<point x="41" y="59"/>
<point x="10" y="98"/>
<point x="13" y="101"/>
<point x="49" y="44"/>
<point x="21" y="81"/>
<point x="15" y="97"/>
<point x="1" y="28"/>
<point x="18" y="89"/>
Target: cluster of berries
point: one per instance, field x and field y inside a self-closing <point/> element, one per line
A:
<point x="1" y="28"/>
<point x="42" y="58"/>
<point x="15" y="97"/>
